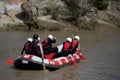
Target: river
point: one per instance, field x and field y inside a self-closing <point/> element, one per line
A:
<point x="101" y="48"/>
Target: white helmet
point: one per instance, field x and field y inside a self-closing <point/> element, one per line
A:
<point x="38" y="38"/>
<point x="29" y="39"/>
<point x="77" y="37"/>
<point x="69" y="39"/>
<point x="50" y="36"/>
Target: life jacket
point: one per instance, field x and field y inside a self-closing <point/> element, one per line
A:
<point x="35" y="48"/>
<point x="74" y="44"/>
<point x="27" y="47"/>
<point x="66" y="46"/>
<point x="45" y="43"/>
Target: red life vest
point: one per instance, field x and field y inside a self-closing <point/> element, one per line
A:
<point x="74" y="43"/>
<point x="66" y="46"/>
<point x="26" y="47"/>
<point x="45" y="43"/>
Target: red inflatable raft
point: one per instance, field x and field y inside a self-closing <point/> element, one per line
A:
<point x="34" y="62"/>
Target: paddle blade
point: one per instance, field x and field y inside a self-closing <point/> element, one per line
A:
<point x="82" y="57"/>
<point x="74" y="63"/>
<point x="11" y="61"/>
<point x="44" y="68"/>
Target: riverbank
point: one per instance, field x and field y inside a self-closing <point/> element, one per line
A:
<point x="13" y="17"/>
<point x="10" y="17"/>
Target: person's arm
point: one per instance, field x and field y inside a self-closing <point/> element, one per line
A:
<point x="54" y="40"/>
<point x="72" y="36"/>
<point x="23" y="50"/>
<point x="79" y="47"/>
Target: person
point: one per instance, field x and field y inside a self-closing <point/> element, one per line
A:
<point x="75" y="44"/>
<point x="47" y="44"/>
<point x="65" y="49"/>
<point x="27" y="47"/>
<point x="35" y="49"/>
<point x="66" y="46"/>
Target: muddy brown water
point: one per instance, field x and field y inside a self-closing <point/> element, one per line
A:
<point x="101" y="48"/>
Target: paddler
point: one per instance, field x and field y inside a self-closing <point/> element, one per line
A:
<point x="47" y="44"/>
<point x="27" y="47"/>
<point x="65" y="49"/>
<point x="35" y="49"/>
<point x="75" y="44"/>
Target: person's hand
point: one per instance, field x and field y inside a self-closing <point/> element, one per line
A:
<point x="38" y="44"/>
<point x="72" y="35"/>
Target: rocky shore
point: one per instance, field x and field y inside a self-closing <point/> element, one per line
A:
<point x="35" y="14"/>
<point x="9" y="14"/>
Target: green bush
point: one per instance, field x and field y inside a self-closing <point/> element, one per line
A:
<point x="55" y="12"/>
<point x="73" y="7"/>
<point x="100" y="4"/>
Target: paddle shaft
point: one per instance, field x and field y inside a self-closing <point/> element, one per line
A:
<point x="44" y="68"/>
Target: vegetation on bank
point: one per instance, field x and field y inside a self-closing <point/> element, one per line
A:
<point x="75" y="10"/>
<point x="83" y="14"/>
<point x="100" y="4"/>
<point x="73" y="7"/>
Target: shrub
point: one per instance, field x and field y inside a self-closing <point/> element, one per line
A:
<point x="73" y="7"/>
<point x="100" y="4"/>
<point x="55" y="12"/>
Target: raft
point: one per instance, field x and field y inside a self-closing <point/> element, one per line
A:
<point x="35" y="62"/>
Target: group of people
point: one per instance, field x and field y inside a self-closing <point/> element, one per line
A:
<point x="69" y="46"/>
<point x="32" y="46"/>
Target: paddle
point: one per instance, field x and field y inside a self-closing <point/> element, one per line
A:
<point x="82" y="57"/>
<point x="10" y="61"/>
<point x="44" y="68"/>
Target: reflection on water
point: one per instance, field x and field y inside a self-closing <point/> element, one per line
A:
<point x="102" y="49"/>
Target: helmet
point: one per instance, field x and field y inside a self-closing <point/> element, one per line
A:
<point x="69" y="39"/>
<point x="35" y="36"/>
<point x="29" y="39"/>
<point x="77" y="37"/>
<point x="50" y="36"/>
<point x="38" y="38"/>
